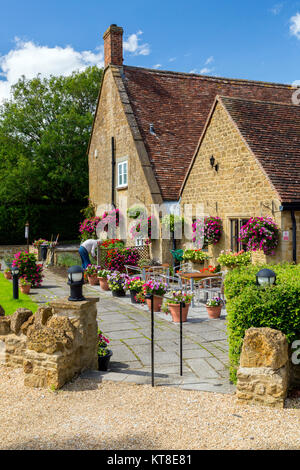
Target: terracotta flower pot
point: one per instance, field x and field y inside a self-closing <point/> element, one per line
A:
<point x="157" y="303"/>
<point x="7" y="275"/>
<point x="25" y="289"/>
<point x="214" y="312"/>
<point x="93" y="280"/>
<point x="103" y="283"/>
<point x="175" y="312"/>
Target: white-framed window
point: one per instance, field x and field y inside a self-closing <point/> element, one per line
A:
<point x="122" y="174"/>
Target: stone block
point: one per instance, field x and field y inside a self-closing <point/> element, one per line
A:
<point x="43" y="314"/>
<point x="18" y="318"/>
<point x="264" y="347"/>
<point x="4" y="325"/>
<point x="262" y="386"/>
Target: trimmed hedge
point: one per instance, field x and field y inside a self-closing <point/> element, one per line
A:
<point x="45" y="220"/>
<point x="249" y="305"/>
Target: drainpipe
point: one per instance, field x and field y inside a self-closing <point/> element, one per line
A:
<point x="292" y="207"/>
<point x="294" y="236"/>
<point x="113" y="163"/>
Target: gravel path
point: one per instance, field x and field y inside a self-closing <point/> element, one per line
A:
<point x="124" y="416"/>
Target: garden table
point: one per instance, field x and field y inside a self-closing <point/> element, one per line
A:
<point x="192" y="277"/>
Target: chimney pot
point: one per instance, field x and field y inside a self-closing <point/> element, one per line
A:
<point x="113" y="45"/>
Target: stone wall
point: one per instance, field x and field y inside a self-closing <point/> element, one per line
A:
<point x="263" y="376"/>
<point x="8" y="250"/>
<point x="52" y="346"/>
<point x="239" y="189"/>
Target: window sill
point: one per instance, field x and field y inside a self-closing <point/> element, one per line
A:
<point x="120" y="188"/>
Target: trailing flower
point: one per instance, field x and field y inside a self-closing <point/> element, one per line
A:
<point x="214" y="302"/>
<point x="24" y="281"/>
<point x="103" y="343"/>
<point x="111" y="243"/>
<point x="88" y="227"/>
<point x="178" y="296"/>
<point x="209" y="232"/>
<point x="116" y="259"/>
<point x="117" y="281"/>
<point x="195" y="255"/>
<point x="39" y="242"/>
<point x="155" y="287"/>
<point x="103" y="273"/>
<point x="140" y="298"/>
<point x="135" y="284"/>
<point x="28" y="267"/>
<point x="231" y="260"/>
<point x="143" y="227"/>
<point x="260" y="233"/>
<point x="92" y="269"/>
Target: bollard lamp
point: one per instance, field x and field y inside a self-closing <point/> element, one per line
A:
<point x="265" y="277"/>
<point x="76" y="281"/>
<point x="15" y="278"/>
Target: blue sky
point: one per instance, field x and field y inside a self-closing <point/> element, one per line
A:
<point x="241" y="39"/>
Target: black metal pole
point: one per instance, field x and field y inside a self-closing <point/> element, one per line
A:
<point x="182" y="304"/>
<point x="15" y="286"/>
<point x="152" y="341"/>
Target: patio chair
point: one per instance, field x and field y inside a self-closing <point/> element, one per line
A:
<point x="210" y="287"/>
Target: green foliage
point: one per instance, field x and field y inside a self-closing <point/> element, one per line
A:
<point x="195" y="255"/>
<point x="8" y="303"/>
<point x="45" y="220"/>
<point x="231" y="260"/>
<point x="44" y="134"/>
<point x="172" y="222"/>
<point x="249" y="305"/>
<point x="67" y="260"/>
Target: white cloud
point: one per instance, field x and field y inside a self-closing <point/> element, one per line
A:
<point x="206" y="70"/>
<point x="276" y="9"/>
<point x="172" y="59"/>
<point x="157" y="66"/>
<point x="132" y="45"/>
<point x="30" y="59"/>
<point x="295" y="25"/>
<point x="209" y="60"/>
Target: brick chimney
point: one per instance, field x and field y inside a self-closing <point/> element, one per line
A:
<point x="113" y="45"/>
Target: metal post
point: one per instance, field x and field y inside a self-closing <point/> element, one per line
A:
<point x="192" y="289"/>
<point x="182" y="304"/>
<point x="15" y="286"/>
<point x="152" y="341"/>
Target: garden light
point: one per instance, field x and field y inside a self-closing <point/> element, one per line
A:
<point x="15" y="276"/>
<point x="76" y="281"/>
<point x="265" y="277"/>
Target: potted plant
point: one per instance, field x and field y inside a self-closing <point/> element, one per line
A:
<point x="196" y="256"/>
<point x="104" y="354"/>
<point x="140" y="298"/>
<point x="7" y="273"/>
<point x="25" y="285"/>
<point x="172" y="305"/>
<point x="102" y="276"/>
<point x="117" y="282"/>
<point x="157" y="289"/>
<point x="92" y="274"/>
<point x="214" y="307"/>
<point x="135" y="286"/>
<point x="230" y="260"/>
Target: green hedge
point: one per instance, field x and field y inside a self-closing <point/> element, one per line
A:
<point x="249" y="305"/>
<point x="45" y="220"/>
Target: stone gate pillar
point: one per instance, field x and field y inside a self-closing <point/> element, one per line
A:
<point x="263" y="375"/>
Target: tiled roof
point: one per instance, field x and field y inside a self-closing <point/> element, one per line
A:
<point x="178" y="105"/>
<point x="272" y="131"/>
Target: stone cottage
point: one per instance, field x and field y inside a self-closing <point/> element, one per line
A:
<point x="154" y="133"/>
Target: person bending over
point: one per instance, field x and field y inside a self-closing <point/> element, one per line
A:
<point x="86" y="248"/>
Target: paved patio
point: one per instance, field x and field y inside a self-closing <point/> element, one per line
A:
<point x="205" y="348"/>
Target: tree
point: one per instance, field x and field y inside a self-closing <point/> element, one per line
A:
<point x="44" y="134"/>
